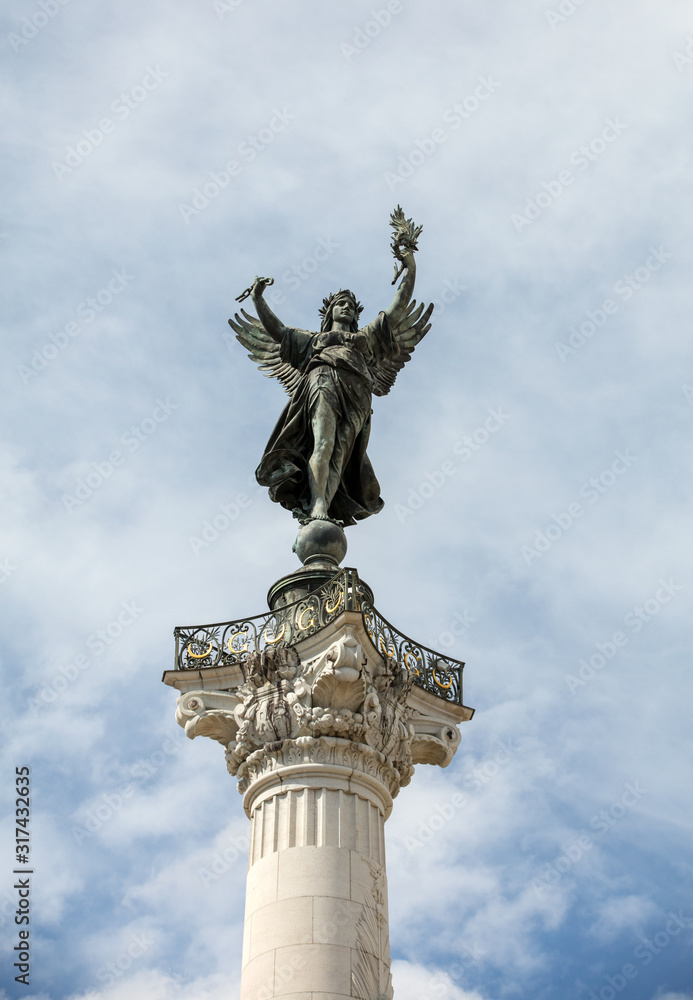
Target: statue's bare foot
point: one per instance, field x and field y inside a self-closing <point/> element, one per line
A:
<point x="318" y="511"/>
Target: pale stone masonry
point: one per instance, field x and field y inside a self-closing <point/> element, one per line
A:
<point x="321" y="734"/>
<point x="316" y="900"/>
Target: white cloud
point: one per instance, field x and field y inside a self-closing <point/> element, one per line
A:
<point x="625" y="913"/>
<point x="155" y="985"/>
<point x="414" y="981"/>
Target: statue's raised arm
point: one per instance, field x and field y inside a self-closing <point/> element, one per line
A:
<point x="315" y="463"/>
<point x="404" y="244"/>
<point x="264" y="336"/>
<point x="398" y="329"/>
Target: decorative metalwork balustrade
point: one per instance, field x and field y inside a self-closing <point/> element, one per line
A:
<point x="228" y="643"/>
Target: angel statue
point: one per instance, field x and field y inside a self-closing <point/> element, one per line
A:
<point x="315" y="463"/>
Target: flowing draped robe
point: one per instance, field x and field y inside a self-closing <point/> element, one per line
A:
<point x="335" y="367"/>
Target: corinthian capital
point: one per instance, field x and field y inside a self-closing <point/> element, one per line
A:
<point x="345" y="674"/>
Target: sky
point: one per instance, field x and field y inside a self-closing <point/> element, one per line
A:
<point x="534" y="457"/>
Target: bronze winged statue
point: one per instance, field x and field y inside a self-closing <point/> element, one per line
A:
<point x="315" y="463"/>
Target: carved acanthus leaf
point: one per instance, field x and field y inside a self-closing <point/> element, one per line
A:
<point x="347" y="691"/>
<point x="338" y="676"/>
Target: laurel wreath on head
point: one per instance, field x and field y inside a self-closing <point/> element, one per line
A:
<point x="343" y="293"/>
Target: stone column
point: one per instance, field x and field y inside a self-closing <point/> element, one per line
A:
<point x="316" y="898"/>
<point x="322" y="733"/>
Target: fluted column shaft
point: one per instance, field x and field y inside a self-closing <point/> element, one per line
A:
<point x="316" y="899"/>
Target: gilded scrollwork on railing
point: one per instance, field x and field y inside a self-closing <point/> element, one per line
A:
<point x="431" y="671"/>
<point x="228" y="643"/>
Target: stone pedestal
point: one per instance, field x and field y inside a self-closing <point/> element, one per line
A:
<point x="323" y="709"/>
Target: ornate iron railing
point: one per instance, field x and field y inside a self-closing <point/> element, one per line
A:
<point x="432" y="671"/>
<point x="228" y="643"/>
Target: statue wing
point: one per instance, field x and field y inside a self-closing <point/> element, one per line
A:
<point x="264" y="351"/>
<point x="410" y="329"/>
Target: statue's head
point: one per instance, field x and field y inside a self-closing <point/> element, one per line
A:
<point x="348" y="310"/>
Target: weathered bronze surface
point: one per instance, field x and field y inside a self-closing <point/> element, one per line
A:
<point x="315" y="463"/>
